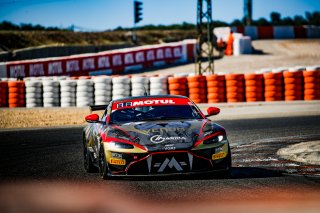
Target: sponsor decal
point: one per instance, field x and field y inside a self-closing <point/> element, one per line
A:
<point x="159" y="139"/>
<point x="116" y="155"/>
<point x="36" y="70"/>
<point x="128" y="58"/>
<point x="55" y="68"/>
<point x="103" y="62"/>
<point x="145" y="103"/>
<point x="169" y="163"/>
<point x="139" y="57"/>
<point x="219" y="155"/>
<point x="169" y="147"/>
<point x="116" y="161"/>
<point x="73" y="66"/>
<point x="116" y="60"/>
<point x="17" y="71"/>
<point x="88" y="64"/>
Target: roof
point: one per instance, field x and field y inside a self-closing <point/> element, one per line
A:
<point x="150" y="96"/>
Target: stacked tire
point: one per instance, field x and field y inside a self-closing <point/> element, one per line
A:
<point x="311" y="78"/>
<point x="293" y="83"/>
<point x="84" y="93"/>
<point x="3" y="94"/>
<point x="197" y="88"/>
<point x="178" y="86"/>
<point x="68" y="93"/>
<point x="235" y="87"/>
<point x="216" y="88"/>
<point x="102" y="90"/>
<point x="51" y="93"/>
<point x="254" y="87"/>
<point x="273" y="86"/>
<point x="33" y="93"/>
<point x="139" y="85"/>
<point x="16" y="94"/>
<point x="120" y="87"/>
<point x="158" y="85"/>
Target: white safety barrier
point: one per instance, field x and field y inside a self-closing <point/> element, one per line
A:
<point x="68" y="93"/>
<point x="139" y="85"/>
<point x="102" y="90"/>
<point x="242" y="45"/>
<point x="120" y="87"/>
<point x="159" y="85"/>
<point x="84" y="93"/>
<point x="33" y="93"/>
<point x="51" y="93"/>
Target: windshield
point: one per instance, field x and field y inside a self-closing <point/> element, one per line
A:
<point x="147" y="113"/>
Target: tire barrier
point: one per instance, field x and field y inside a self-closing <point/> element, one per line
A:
<point x="121" y="87"/>
<point x="33" y="93"/>
<point x="254" y="87"/>
<point x="16" y="94"/>
<point x="273" y="86"/>
<point x="84" y="93"/>
<point x="51" y="93"/>
<point x="197" y="88"/>
<point x="158" y="85"/>
<point x="139" y="85"/>
<point x="102" y="90"/>
<point x="293" y="83"/>
<point x="178" y="86"/>
<point x="297" y="83"/>
<point x="216" y="88"/>
<point x="68" y="93"/>
<point x="311" y="77"/>
<point x="3" y="94"/>
<point x="235" y="87"/>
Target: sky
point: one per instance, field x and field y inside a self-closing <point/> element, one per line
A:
<point x="99" y="15"/>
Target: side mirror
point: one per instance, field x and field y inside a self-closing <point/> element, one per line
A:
<point x="212" y="111"/>
<point x="93" y="118"/>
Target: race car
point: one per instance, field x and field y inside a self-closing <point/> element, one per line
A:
<point x="154" y="135"/>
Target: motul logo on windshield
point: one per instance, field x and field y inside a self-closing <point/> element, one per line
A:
<point x="145" y="103"/>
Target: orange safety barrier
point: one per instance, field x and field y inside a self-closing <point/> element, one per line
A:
<point x="311" y="84"/>
<point x="197" y="88"/>
<point x="3" y="94"/>
<point x="293" y="85"/>
<point x="254" y="87"/>
<point x="229" y="48"/>
<point x="234" y="87"/>
<point x="273" y="86"/>
<point x="216" y="88"/>
<point x="178" y="86"/>
<point x="16" y="94"/>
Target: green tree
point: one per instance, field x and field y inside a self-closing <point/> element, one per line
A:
<point x="275" y="18"/>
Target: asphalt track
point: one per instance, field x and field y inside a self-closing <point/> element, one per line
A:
<point x="55" y="154"/>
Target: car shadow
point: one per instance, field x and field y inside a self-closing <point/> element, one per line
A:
<point x="236" y="173"/>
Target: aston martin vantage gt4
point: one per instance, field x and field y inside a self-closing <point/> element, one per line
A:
<point x="154" y="135"/>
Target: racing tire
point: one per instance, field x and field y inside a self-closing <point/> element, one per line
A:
<point x="87" y="161"/>
<point x="227" y="172"/>
<point x="103" y="165"/>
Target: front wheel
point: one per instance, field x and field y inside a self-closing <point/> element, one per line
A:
<point x="103" y="165"/>
<point x="88" y="164"/>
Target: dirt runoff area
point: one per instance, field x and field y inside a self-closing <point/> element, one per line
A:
<point x="269" y="53"/>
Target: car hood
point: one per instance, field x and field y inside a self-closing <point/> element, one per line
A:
<point x="165" y="135"/>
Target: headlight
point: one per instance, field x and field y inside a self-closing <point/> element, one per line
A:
<point x="121" y="145"/>
<point x="214" y="139"/>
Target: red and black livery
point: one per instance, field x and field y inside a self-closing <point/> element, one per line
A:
<point x="154" y="135"/>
